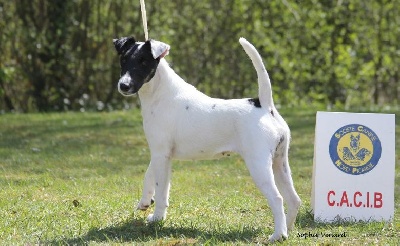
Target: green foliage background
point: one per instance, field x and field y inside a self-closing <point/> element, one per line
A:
<point x="58" y="55"/>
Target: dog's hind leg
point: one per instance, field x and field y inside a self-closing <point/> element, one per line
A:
<point x="262" y="174"/>
<point x="148" y="189"/>
<point x="162" y="175"/>
<point x="284" y="182"/>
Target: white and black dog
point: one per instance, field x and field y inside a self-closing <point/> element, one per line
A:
<point x="182" y="123"/>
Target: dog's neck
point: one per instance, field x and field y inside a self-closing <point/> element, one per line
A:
<point x="163" y="83"/>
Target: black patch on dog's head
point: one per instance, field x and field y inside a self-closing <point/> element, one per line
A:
<point x="255" y="102"/>
<point x="138" y="66"/>
<point x="123" y="44"/>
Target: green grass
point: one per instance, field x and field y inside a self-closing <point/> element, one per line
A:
<point x="75" y="178"/>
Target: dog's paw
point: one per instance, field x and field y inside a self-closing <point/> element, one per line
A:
<point x="154" y="218"/>
<point x="143" y="205"/>
<point x="277" y="237"/>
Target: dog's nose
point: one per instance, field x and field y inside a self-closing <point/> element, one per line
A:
<point x="124" y="87"/>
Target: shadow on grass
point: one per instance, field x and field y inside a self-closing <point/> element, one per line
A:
<point x="137" y="231"/>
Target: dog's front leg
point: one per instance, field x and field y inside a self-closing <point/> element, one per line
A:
<point x="148" y="189"/>
<point x="161" y="167"/>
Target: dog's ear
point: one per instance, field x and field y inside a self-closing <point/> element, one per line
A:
<point x="158" y="49"/>
<point x="123" y="44"/>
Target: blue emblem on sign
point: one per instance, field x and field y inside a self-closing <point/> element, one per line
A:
<point x="355" y="149"/>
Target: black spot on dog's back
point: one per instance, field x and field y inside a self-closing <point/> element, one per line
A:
<point x="255" y="102"/>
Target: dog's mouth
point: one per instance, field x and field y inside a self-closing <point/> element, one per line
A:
<point x="127" y="94"/>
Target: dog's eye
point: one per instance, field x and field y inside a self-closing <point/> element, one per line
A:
<point x="142" y="61"/>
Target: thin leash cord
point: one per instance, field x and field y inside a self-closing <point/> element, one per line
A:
<point x="144" y="19"/>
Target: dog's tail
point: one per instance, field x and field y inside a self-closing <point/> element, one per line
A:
<point x="264" y="83"/>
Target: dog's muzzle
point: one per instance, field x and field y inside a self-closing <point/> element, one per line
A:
<point x="125" y="86"/>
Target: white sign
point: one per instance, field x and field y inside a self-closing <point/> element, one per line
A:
<point x="354" y="167"/>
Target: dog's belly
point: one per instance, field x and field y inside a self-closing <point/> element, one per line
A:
<point x="201" y="152"/>
<point x="204" y="139"/>
<point x="205" y="136"/>
<point x="200" y="156"/>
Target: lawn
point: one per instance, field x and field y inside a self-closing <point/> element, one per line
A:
<point x="75" y="178"/>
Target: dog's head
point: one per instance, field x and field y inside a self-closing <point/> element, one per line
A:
<point x="139" y="61"/>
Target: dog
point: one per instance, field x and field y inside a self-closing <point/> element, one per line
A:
<point x="182" y="123"/>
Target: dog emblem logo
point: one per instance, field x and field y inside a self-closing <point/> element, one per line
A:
<point x="355" y="149"/>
